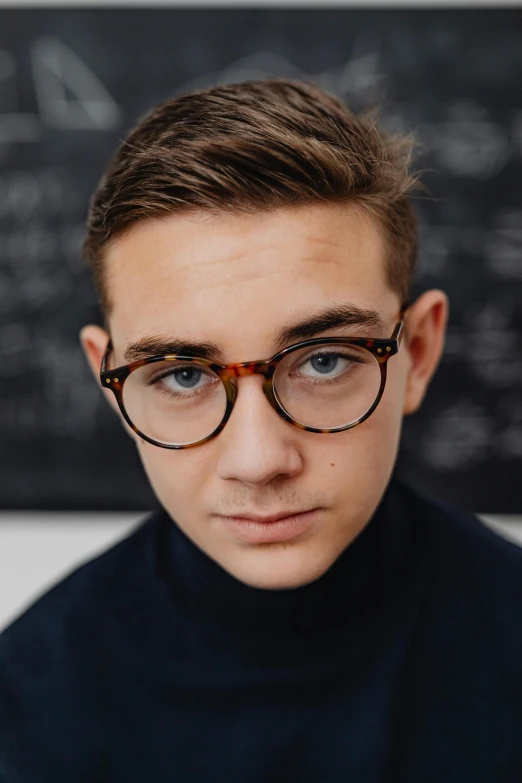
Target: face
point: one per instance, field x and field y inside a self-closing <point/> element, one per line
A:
<point x="236" y="280"/>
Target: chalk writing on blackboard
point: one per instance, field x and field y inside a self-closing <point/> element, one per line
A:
<point x="69" y="95"/>
<point x="358" y="76"/>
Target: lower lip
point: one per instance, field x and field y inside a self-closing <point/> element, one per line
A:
<point x="267" y="532"/>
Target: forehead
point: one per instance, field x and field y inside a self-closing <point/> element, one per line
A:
<point x="210" y="275"/>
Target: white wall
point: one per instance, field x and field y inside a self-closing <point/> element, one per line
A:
<point x="39" y="549"/>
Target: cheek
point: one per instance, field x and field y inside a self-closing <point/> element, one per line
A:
<point x="390" y="409"/>
<point x="385" y="423"/>
<point x="365" y="454"/>
<point x="341" y="461"/>
<point x="176" y="476"/>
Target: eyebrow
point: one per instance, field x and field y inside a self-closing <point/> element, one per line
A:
<point x="334" y="317"/>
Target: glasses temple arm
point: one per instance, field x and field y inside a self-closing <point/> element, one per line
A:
<point x="400" y="329"/>
<point x="108" y="349"/>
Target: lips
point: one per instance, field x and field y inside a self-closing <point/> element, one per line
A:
<point x="266" y="519"/>
<point x="270" y="528"/>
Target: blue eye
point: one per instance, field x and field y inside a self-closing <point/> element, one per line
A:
<point x="327" y="364"/>
<point x="188" y="377"/>
<point x="183" y="380"/>
<point x="324" y="363"/>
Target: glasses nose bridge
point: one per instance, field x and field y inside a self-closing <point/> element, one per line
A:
<point x="251" y="368"/>
<point x="264" y="368"/>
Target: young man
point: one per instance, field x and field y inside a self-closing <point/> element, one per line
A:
<point x="293" y="611"/>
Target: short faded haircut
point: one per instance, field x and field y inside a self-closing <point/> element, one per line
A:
<point x="253" y="147"/>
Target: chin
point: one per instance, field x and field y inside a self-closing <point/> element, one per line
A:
<point x="279" y="575"/>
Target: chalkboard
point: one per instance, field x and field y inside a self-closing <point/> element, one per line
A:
<point x="72" y="82"/>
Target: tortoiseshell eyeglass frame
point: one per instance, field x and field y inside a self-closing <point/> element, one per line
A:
<point x="381" y="348"/>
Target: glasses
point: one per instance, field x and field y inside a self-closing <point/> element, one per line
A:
<point x="326" y="384"/>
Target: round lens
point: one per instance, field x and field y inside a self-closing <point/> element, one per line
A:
<point x="328" y="386"/>
<point x="174" y="402"/>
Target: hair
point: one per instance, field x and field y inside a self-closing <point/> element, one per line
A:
<point x="250" y="147"/>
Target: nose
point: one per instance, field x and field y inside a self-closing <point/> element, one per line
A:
<point x="257" y="445"/>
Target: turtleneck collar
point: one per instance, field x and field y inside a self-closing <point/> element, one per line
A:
<point x="357" y="590"/>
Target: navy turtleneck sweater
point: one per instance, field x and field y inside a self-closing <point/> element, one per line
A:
<point x="401" y="664"/>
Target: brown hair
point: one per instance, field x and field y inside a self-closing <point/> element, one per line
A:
<point x="258" y="145"/>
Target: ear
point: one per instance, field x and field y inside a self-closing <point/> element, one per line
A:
<point x="425" y="324"/>
<point x="94" y="341"/>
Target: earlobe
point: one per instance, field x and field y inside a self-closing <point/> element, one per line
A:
<point x="427" y="320"/>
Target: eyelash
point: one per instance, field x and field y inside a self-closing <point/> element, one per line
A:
<point x="170" y="393"/>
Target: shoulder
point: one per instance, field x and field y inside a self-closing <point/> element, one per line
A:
<point x="460" y="536"/>
<point x="474" y="575"/>
<point x="50" y="656"/>
<point x="80" y="592"/>
<point x="80" y="606"/>
<point x="464" y="650"/>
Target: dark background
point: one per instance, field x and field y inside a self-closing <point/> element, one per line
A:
<point x="72" y="83"/>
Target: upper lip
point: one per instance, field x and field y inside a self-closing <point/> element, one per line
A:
<point x="270" y="518"/>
